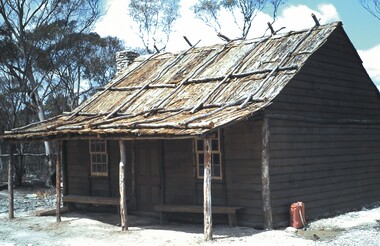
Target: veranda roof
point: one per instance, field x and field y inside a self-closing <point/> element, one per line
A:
<point x="189" y="93"/>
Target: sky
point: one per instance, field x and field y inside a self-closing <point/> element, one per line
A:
<point x="362" y="28"/>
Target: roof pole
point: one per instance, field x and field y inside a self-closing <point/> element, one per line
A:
<point x="58" y="181"/>
<point x="10" y="182"/>
<point x="207" y="209"/>
<point x="122" y="189"/>
<point x="265" y="177"/>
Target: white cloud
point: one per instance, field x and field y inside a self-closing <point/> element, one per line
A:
<point x="118" y="23"/>
<point x="299" y="17"/>
<point x="370" y="59"/>
<point x="295" y="17"/>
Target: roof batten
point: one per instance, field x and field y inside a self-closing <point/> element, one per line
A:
<point x="167" y="94"/>
<point x="249" y="96"/>
<point x="229" y="74"/>
<point x="132" y="98"/>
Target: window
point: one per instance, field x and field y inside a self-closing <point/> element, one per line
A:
<point x="98" y="157"/>
<point x="216" y="160"/>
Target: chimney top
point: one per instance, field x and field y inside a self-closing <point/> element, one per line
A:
<point x="124" y="59"/>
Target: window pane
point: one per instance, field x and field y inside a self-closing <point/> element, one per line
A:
<point x="201" y="170"/>
<point x="94" y="168"/>
<point x="201" y="159"/>
<point x="216" y="171"/>
<point x="200" y="145"/>
<point x="98" y="157"/>
<point x="215" y="145"/>
<point x="216" y="158"/>
<point x="103" y="146"/>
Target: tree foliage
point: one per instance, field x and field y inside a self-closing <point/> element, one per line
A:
<point x="372" y="6"/>
<point x="46" y="54"/>
<point x="79" y="63"/>
<point x="155" y="20"/>
<point x="243" y="12"/>
<point x="28" y="29"/>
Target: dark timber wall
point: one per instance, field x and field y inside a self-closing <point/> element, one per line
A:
<point x="241" y="184"/>
<point x="242" y="150"/>
<point x="316" y="156"/>
<point x="77" y="163"/>
<point x="241" y="161"/>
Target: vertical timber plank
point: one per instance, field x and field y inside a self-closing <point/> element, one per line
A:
<point x="11" y="214"/>
<point x="133" y="173"/>
<point x="162" y="174"/>
<point x="58" y="181"/>
<point x="65" y="183"/>
<point x="122" y="189"/>
<point x="265" y="178"/>
<point x="207" y="209"/>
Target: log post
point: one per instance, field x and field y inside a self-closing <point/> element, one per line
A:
<point x="58" y="181"/>
<point x="207" y="209"/>
<point x="11" y="214"/>
<point x="122" y="189"/>
<point x="265" y="177"/>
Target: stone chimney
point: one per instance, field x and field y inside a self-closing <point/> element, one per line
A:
<point x="124" y="58"/>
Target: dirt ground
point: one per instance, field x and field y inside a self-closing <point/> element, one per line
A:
<point x="94" y="228"/>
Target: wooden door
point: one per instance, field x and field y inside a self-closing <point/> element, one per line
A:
<point x="148" y="163"/>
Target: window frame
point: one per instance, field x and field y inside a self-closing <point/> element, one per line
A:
<point x="215" y="136"/>
<point x="98" y="151"/>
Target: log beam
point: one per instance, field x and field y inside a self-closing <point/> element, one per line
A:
<point x="265" y="177"/>
<point x="58" y="181"/>
<point x="122" y="189"/>
<point x="11" y="214"/>
<point x="207" y="209"/>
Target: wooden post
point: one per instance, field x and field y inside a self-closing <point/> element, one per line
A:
<point x="122" y="189"/>
<point x="11" y="214"/>
<point x="207" y="209"/>
<point x="64" y="168"/>
<point x="58" y="181"/>
<point x="265" y="177"/>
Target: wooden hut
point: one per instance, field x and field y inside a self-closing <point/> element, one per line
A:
<point x="274" y="120"/>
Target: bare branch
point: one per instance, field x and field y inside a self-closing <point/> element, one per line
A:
<point x="372" y="6"/>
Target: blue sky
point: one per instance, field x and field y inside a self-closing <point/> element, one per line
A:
<point x="361" y="27"/>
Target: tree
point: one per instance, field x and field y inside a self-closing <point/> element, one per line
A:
<point x="27" y="28"/>
<point x="242" y="11"/>
<point x="13" y="113"/>
<point x="155" y="20"/>
<point x="372" y="6"/>
<point x="79" y="63"/>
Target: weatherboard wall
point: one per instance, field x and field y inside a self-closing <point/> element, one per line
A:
<point x="318" y="154"/>
<point x="241" y="183"/>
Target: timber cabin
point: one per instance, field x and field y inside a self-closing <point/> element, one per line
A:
<point x="290" y="117"/>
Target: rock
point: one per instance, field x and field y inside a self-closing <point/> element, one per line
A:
<point x="291" y="229"/>
<point x="31" y="196"/>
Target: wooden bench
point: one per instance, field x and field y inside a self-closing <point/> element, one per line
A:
<point x="166" y="208"/>
<point x="92" y="200"/>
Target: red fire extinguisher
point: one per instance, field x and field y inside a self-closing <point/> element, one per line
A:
<point x="297" y="215"/>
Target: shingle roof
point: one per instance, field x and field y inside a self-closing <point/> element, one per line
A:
<point x="189" y="93"/>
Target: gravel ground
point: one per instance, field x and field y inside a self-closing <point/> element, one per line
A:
<point x="81" y="228"/>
